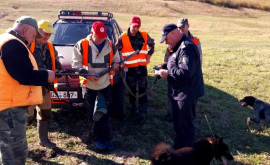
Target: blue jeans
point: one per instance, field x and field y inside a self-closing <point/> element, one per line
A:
<point x="13" y="144"/>
<point x="117" y="105"/>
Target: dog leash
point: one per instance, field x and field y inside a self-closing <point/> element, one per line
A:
<point x="209" y="125"/>
<point x="211" y="132"/>
<point x="142" y="94"/>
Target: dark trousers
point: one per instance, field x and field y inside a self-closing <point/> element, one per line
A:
<point x="117" y="106"/>
<point x="101" y="128"/>
<point x="138" y="76"/>
<point x="184" y="114"/>
<point x="13" y="143"/>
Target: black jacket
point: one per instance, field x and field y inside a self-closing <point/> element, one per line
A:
<point x="185" y="79"/>
<point x="16" y="60"/>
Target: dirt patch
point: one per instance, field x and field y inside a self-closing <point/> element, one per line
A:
<point x="3" y="15"/>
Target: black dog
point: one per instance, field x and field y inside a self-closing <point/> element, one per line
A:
<point x="202" y="153"/>
<point x="260" y="108"/>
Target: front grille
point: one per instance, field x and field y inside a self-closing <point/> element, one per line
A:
<point x="74" y="77"/>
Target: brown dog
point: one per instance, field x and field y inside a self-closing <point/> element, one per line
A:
<point x="202" y="153"/>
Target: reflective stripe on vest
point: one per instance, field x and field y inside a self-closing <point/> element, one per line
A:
<point x="111" y="73"/>
<point x="138" y="59"/>
<point x="13" y="94"/>
<point x="52" y="53"/>
<point x="85" y="46"/>
<point x="195" y="41"/>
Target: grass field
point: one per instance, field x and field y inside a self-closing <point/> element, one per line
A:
<point x="236" y="63"/>
<point x="255" y="4"/>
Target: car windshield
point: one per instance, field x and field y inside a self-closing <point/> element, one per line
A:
<point x="70" y="33"/>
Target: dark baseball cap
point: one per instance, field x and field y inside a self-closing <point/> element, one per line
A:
<point x="182" y="22"/>
<point x="166" y="30"/>
<point x="30" y="21"/>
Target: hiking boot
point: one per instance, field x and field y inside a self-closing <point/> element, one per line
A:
<point x="100" y="145"/>
<point x="109" y="145"/>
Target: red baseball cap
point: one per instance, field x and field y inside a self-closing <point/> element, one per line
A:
<point x="100" y="29"/>
<point x="135" y="21"/>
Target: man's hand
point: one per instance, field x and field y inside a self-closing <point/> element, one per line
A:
<point x="148" y="57"/>
<point x="82" y="70"/>
<point x="163" y="73"/>
<point x="125" y="68"/>
<point x="92" y="78"/>
<point x="115" y="66"/>
<point x="51" y="76"/>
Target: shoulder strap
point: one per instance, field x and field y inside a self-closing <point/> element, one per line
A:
<point x="32" y="46"/>
<point x="51" y="49"/>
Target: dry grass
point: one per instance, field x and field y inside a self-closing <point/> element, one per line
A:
<point x="235" y="45"/>
<point x="254" y="4"/>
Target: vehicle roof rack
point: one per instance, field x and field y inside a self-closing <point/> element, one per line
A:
<point x="77" y="14"/>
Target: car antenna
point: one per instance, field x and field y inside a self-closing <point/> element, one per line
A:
<point x="209" y="125"/>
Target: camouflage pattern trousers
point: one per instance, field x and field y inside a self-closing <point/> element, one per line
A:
<point x="13" y="144"/>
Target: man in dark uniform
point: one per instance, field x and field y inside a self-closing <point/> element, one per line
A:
<point x="183" y="26"/>
<point x="185" y="83"/>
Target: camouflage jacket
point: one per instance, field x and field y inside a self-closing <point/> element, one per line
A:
<point x="43" y="58"/>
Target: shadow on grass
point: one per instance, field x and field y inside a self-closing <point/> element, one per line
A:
<point x="228" y="119"/>
<point x="37" y="156"/>
<point x="224" y="113"/>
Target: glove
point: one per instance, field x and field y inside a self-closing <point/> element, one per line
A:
<point x="83" y="71"/>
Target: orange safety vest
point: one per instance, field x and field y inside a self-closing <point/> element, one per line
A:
<point x="12" y="93"/>
<point x="138" y="59"/>
<point x="85" y="46"/>
<point x="195" y="40"/>
<point x="50" y="46"/>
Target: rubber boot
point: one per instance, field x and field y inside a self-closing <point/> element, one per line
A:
<point x="43" y="134"/>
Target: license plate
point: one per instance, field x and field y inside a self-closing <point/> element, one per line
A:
<point x="63" y="94"/>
